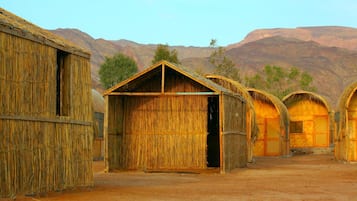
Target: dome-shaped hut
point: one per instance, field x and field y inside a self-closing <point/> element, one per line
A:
<point x="309" y="121"/>
<point x="346" y="136"/>
<point x="273" y="122"/>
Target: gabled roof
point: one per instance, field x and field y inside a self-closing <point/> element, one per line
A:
<point x="146" y="74"/>
<point x="14" y="25"/>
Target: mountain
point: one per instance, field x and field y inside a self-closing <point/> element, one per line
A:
<point x="142" y="54"/>
<point x="331" y="36"/>
<point x="329" y="54"/>
<point x="332" y="68"/>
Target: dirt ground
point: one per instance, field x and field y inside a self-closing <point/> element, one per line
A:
<point x="304" y="177"/>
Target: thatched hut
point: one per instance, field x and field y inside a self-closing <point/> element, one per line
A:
<point x="310" y="117"/>
<point x="98" y="107"/>
<point x="346" y="136"/>
<point x="46" y="112"/>
<point x="168" y="118"/>
<point x="251" y="123"/>
<point x="273" y="122"/>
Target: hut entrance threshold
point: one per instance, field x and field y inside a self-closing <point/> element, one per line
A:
<point x="213" y="150"/>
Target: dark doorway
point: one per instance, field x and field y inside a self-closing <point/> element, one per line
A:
<point x="213" y="154"/>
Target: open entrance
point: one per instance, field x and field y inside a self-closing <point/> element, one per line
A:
<point x="213" y="155"/>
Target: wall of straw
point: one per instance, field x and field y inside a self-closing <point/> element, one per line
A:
<point x="39" y="151"/>
<point x="234" y="132"/>
<point x="167" y="132"/>
<point x="315" y="119"/>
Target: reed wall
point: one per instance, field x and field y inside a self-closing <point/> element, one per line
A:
<point x="40" y="151"/>
<point x="315" y="120"/>
<point x="166" y="132"/>
<point x="234" y="132"/>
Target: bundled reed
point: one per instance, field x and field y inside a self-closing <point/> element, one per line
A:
<point x="41" y="151"/>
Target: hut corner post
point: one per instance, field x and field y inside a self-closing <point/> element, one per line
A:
<point x="106" y="155"/>
<point x="221" y="137"/>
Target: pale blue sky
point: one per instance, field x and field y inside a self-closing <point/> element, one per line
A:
<point x="182" y="22"/>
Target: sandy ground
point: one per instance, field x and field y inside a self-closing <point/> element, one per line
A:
<point x="305" y="177"/>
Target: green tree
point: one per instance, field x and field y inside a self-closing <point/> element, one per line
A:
<point x="279" y="81"/>
<point x="163" y="53"/>
<point x="223" y="65"/>
<point x="116" y="69"/>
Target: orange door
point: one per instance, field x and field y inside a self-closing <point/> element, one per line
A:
<point x="321" y="131"/>
<point x="268" y="142"/>
<point x="352" y="151"/>
<point x="272" y="141"/>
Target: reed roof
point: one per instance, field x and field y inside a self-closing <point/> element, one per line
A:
<point x="344" y="102"/>
<point x="14" y="25"/>
<point x="276" y="102"/>
<point x="98" y="101"/>
<point x="305" y="95"/>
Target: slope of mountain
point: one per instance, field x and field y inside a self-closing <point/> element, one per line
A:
<point x="142" y="54"/>
<point x="332" y="68"/>
<point x="331" y="36"/>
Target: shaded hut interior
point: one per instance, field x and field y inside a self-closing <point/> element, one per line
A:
<point x="309" y="120"/>
<point x="346" y="136"/>
<point x="168" y="118"/>
<point x="273" y="122"/>
<point x="46" y="111"/>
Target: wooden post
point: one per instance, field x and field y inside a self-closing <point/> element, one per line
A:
<point x="105" y="126"/>
<point x="221" y="138"/>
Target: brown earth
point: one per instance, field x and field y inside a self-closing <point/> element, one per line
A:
<point x="304" y="177"/>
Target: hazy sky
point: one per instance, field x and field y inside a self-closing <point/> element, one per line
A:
<point x="182" y="22"/>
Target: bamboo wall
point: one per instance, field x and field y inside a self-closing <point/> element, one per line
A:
<point x="315" y="120"/>
<point x="234" y="135"/>
<point x="39" y="151"/>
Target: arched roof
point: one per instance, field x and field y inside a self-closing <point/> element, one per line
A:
<point x="344" y="102"/>
<point x="278" y="104"/>
<point x="98" y="101"/>
<point x="306" y="95"/>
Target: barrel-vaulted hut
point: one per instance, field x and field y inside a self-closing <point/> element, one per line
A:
<point x="168" y="118"/>
<point x="310" y="116"/>
<point x="46" y="111"/>
<point x="251" y="123"/>
<point x="98" y="143"/>
<point x="346" y="137"/>
<point x="273" y="122"/>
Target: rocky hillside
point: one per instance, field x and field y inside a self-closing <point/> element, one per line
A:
<point x="329" y="54"/>
<point x="331" y="36"/>
<point x="332" y="68"/>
